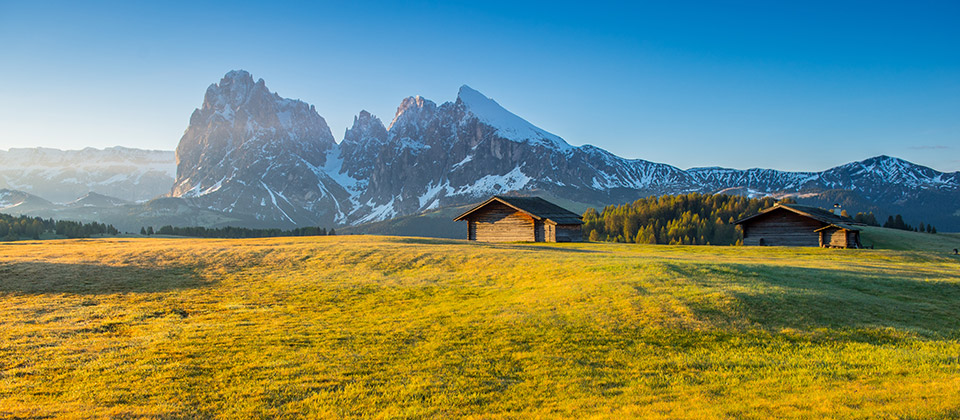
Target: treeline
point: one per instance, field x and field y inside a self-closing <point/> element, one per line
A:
<point x="24" y="227"/>
<point x="691" y="219"/>
<point x="896" y="222"/>
<point x="235" y="232"/>
<point x="866" y="218"/>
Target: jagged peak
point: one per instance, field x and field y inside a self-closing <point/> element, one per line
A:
<point x="364" y="117"/>
<point x="508" y="124"/>
<point x="233" y="89"/>
<point x="413" y="105"/>
<point x="238" y="75"/>
<point x="365" y="125"/>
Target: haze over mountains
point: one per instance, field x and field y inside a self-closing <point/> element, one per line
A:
<point x="252" y="157"/>
<point x="65" y="175"/>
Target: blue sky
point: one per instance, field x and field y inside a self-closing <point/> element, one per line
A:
<point x="796" y="86"/>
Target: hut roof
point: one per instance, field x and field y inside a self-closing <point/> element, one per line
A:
<point x="839" y="226"/>
<point x="536" y="207"/>
<point x="815" y="213"/>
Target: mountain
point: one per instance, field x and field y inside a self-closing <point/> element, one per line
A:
<point x="21" y="203"/>
<point x="93" y="199"/>
<point x="125" y="216"/>
<point x="251" y="153"/>
<point x="64" y="175"/>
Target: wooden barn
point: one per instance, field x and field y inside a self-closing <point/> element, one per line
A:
<point x="796" y="225"/>
<point x="514" y="219"/>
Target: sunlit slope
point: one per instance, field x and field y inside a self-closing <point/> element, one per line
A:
<point x="335" y="327"/>
<point x="941" y="243"/>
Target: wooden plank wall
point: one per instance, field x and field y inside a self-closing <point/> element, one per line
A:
<point x="782" y="228"/>
<point x="569" y="233"/>
<point x="551" y="232"/>
<point x="497" y="222"/>
<point x="835" y="238"/>
<point x="853" y="239"/>
<point x="539" y="231"/>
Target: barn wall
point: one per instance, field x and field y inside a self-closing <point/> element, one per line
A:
<point x="497" y="222"/>
<point x="835" y="238"/>
<point x="539" y="231"/>
<point x="853" y="239"/>
<point x="569" y="233"/>
<point x="550" y="234"/>
<point x="782" y="228"/>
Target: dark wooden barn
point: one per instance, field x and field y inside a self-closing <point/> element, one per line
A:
<point x="796" y="225"/>
<point x="513" y="219"/>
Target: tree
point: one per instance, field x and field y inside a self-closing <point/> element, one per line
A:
<point x="149" y="230"/>
<point x="594" y="236"/>
<point x="693" y="218"/>
<point x="143" y="231"/>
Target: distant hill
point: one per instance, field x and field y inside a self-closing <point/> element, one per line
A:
<point x="64" y="175"/>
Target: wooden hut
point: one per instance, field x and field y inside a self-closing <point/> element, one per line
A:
<point x="796" y="225"/>
<point x="513" y="219"/>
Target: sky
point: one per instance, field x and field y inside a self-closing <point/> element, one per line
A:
<point x="785" y="85"/>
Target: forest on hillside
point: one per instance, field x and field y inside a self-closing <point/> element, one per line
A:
<point x="695" y="219"/>
<point x="690" y="219"/>
<point x="13" y="228"/>
<point x="236" y="232"/>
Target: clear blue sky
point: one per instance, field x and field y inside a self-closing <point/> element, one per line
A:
<point x="788" y="85"/>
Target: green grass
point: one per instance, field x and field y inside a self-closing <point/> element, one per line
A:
<point x="378" y="327"/>
<point x="940" y="243"/>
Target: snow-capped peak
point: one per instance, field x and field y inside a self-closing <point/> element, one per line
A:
<point x="413" y="108"/>
<point x="508" y="124"/>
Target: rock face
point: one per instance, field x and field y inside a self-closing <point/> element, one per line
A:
<point x="64" y="175"/>
<point x="250" y="152"/>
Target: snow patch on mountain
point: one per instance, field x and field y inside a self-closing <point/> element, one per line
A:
<point x="379" y="212"/>
<point x="433" y="194"/>
<point x="495" y="184"/>
<point x="508" y="125"/>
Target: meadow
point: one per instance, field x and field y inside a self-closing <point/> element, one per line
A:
<point x="394" y="327"/>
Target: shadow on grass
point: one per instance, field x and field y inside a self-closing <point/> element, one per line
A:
<point x="541" y="248"/>
<point x="779" y="297"/>
<point x="93" y="279"/>
<point x="427" y="241"/>
<point x="522" y="246"/>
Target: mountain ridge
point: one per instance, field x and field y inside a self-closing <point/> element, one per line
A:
<point x="251" y="155"/>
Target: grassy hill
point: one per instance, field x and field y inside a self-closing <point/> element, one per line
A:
<point x="941" y="243"/>
<point x="358" y="326"/>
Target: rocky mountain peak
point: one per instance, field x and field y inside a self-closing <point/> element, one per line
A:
<point x="413" y="108"/>
<point x="507" y="124"/>
<point x="248" y="148"/>
<point x="234" y="89"/>
<point x="365" y="126"/>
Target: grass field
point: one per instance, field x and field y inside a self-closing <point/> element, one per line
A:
<point x="381" y="327"/>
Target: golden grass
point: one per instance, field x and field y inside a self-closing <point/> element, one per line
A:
<point x="379" y="327"/>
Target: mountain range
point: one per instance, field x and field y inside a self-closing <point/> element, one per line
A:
<point x="250" y="156"/>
